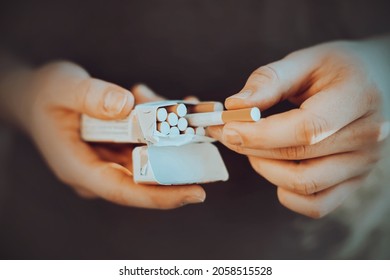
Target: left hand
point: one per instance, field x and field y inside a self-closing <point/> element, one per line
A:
<point x="49" y="108"/>
<point x="318" y="154"/>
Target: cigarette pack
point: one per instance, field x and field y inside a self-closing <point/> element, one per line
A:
<point x="167" y="156"/>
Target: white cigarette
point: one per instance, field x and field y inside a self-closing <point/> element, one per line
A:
<point x="174" y="131"/>
<point x="200" y="131"/>
<point x="161" y="114"/>
<point x="218" y="118"/>
<point x="182" y="124"/>
<point x="178" y="109"/>
<point x="189" y="130"/>
<point x="163" y="127"/>
<point x="173" y="119"/>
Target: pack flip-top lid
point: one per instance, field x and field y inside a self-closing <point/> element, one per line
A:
<point x="187" y="164"/>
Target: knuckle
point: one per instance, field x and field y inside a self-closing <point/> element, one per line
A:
<point x="311" y="130"/>
<point x="265" y="73"/>
<point x="237" y="148"/>
<point x="303" y="185"/>
<point x="293" y="152"/>
<point x="277" y="153"/>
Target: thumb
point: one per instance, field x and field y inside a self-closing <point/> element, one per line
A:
<point x="274" y="82"/>
<point x="69" y="86"/>
<point x="100" y="99"/>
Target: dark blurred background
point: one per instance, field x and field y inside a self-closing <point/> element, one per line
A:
<point x="199" y="47"/>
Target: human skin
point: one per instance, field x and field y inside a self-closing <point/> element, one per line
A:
<point x="321" y="152"/>
<point x="46" y="103"/>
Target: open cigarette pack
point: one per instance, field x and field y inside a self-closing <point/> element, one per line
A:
<point x="174" y="152"/>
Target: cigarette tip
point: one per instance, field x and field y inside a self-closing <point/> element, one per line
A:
<point x="255" y="114"/>
<point x="218" y="106"/>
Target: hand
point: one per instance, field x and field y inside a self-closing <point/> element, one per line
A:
<point x="57" y="94"/>
<point x="321" y="152"/>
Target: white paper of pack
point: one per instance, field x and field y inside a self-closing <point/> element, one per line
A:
<point x="177" y="165"/>
<point x="118" y="131"/>
<point x="165" y="159"/>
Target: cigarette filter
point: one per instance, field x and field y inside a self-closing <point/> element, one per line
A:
<point x="161" y="114"/>
<point x="164" y="128"/>
<point x="182" y="124"/>
<point x="204" y="107"/>
<point x="178" y="109"/>
<point x="189" y="130"/>
<point x="173" y="119"/>
<point x="174" y="131"/>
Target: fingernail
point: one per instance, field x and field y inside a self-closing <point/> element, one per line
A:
<point x="384" y="131"/>
<point x="115" y="101"/>
<point x="192" y="200"/>
<point x="242" y="95"/>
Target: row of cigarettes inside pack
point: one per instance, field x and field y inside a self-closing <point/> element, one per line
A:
<point x="173" y="120"/>
<point x="192" y="119"/>
<point x="154" y="121"/>
<point x="177" y="149"/>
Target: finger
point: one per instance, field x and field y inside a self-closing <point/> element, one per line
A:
<point x="95" y="98"/>
<point x="359" y="135"/>
<point x="304" y="126"/>
<point x="332" y="107"/>
<point x="276" y="81"/>
<point x="292" y="128"/>
<point x="320" y="204"/>
<point x="216" y="132"/>
<point x="314" y="175"/>
<point x="103" y="100"/>
<point x="76" y="164"/>
<point x="143" y="94"/>
<point x="113" y="183"/>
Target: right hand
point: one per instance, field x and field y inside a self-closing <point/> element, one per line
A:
<point x="54" y="97"/>
<point x="321" y="152"/>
